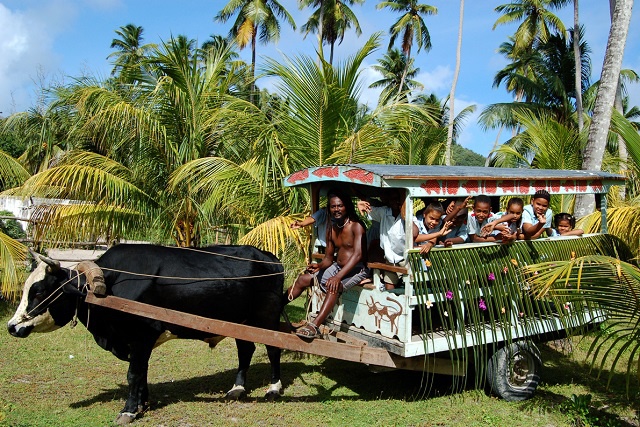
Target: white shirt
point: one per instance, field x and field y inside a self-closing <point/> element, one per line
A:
<point x="472" y="224"/>
<point x="321" y="226"/>
<point x="529" y="217"/>
<point x="513" y="227"/>
<point x="422" y="229"/>
<point x="392" y="235"/>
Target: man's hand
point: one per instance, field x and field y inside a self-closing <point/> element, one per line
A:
<point x="333" y="285"/>
<point x="295" y="225"/>
<point x="312" y="267"/>
<point x="541" y="218"/>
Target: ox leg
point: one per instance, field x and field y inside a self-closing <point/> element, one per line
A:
<point x="138" y="399"/>
<point x="245" y="353"/>
<point x="275" y="389"/>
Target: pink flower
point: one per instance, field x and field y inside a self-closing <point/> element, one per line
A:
<point x="505" y="269"/>
<point x="491" y="276"/>
<point x="448" y="295"/>
<point x="482" y="304"/>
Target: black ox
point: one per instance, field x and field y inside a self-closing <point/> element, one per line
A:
<point x="239" y="284"/>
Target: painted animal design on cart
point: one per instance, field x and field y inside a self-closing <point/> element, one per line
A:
<point x="239" y="284"/>
<point x="387" y="313"/>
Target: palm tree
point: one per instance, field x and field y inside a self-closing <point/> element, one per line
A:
<point x="545" y="143"/>
<point x="129" y="54"/>
<point x="392" y="66"/>
<point x="317" y="121"/>
<point x="544" y="79"/>
<point x="577" y="62"/>
<point x="44" y="132"/>
<point x="12" y="253"/>
<point x="217" y="43"/>
<point x="447" y="155"/>
<point x="411" y="25"/>
<point x="427" y="144"/>
<point x="254" y="16"/>
<point x="331" y="20"/>
<point x="609" y="284"/>
<point x="537" y="20"/>
<point x="599" y="129"/>
<point x="138" y="138"/>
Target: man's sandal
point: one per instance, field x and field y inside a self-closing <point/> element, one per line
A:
<point x="308" y="331"/>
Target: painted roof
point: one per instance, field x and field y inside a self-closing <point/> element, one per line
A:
<point x="437" y="180"/>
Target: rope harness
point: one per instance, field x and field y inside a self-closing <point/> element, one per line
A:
<point x="84" y="288"/>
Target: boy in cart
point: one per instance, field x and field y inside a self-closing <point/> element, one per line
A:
<point x="346" y="238"/>
<point x="480" y="216"/>
<point x="537" y="217"/>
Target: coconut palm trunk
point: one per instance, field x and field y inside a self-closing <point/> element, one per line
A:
<point x="578" y="61"/>
<point x="404" y="73"/>
<point x="447" y="154"/>
<point x="605" y="98"/>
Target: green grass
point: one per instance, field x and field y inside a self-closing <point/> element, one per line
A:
<point x="65" y="379"/>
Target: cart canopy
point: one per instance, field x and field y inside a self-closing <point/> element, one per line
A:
<point x="448" y="181"/>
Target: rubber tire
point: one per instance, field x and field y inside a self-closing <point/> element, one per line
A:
<point x="515" y="385"/>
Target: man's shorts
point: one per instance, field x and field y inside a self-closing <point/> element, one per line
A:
<point x="355" y="276"/>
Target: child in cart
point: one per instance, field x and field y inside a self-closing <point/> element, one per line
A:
<point x="565" y="225"/>
<point x="480" y="216"/>
<point x="536" y="217"/>
<point x="508" y="224"/>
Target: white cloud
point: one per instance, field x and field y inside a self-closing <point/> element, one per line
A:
<point x="437" y="81"/>
<point x="26" y="49"/>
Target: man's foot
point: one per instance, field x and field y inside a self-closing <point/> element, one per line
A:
<point x="308" y="331"/>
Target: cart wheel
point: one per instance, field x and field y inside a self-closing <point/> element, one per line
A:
<point x="513" y="372"/>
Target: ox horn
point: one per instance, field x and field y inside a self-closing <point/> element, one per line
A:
<point x="95" y="277"/>
<point x="53" y="264"/>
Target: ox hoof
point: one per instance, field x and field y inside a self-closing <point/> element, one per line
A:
<point x="125" y="418"/>
<point x="274" y="392"/>
<point x="237" y="392"/>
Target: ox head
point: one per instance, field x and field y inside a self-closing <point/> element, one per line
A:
<point x="48" y="300"/>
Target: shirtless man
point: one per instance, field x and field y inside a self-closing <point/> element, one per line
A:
<point x="347" y="239"/>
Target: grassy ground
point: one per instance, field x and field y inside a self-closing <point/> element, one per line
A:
<point x="65" y="379"/>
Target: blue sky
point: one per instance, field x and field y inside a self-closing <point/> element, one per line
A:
<point x="44" y="41"/>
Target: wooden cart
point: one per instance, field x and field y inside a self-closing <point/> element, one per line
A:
<point x="433" y="323"/>
<point x="467" y="303"/>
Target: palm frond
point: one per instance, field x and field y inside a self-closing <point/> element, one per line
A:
<point x="13" y="255"/>
<point x="608" y="283"/>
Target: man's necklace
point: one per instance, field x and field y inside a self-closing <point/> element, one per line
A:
<point x="345" y="223"/>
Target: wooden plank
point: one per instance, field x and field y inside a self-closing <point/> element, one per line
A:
<point x="388" y="267"/>
<point x="344" y="351"/>
<point x="220" y="327"/>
